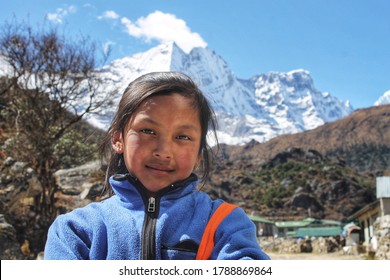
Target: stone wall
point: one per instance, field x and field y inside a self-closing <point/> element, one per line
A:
<point x="292" y="245"/>
<point x="19" y="186"/>
<point x="382" y="235"/>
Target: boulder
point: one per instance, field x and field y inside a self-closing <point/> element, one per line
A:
<point x="10" y="248"/>
<point x="76" y="186"/>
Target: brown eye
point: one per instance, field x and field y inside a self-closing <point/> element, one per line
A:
<point x="183" y="137"/>
<point x="148" y="131"/>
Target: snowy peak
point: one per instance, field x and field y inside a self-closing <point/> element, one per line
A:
<point x="293" y="96"/>
<point x="384" y="99"/>
<point x="259" y="108"/>
<point x="217" y="81"/>
<point x="295" y="80"/>
<point x="120" y="72"/>
<point x="155" y="59"/>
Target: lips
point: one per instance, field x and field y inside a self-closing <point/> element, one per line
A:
<point x="159" y="168"/>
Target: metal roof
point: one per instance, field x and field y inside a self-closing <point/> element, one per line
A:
<point x="259" y="219"/>
<point x="368" y="207"/>
<point x="292" y="224"/>
<point x="306" y="222"/>
<point x="316" y="232"/>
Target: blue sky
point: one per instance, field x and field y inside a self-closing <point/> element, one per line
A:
<point x="345" y="44"/>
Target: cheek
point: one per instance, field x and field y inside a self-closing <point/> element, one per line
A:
<point x="189" y="158"/>
<point x="133" y="151"/>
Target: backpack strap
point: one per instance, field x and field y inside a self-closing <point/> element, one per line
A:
<point x="206" y="245"/>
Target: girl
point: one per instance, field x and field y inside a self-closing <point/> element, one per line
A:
<point x="156" y="140"/>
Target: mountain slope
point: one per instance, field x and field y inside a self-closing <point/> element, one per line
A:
<point x="293" y="185"/>
<point x="328" y="172"/>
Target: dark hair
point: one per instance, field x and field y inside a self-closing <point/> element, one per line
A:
<point x="142" y="88"/>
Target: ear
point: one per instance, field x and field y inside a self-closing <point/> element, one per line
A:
<point x="117" y="142"/>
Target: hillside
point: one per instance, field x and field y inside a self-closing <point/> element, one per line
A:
<point x="295" y="184"/>
<point x="328" y="172"/>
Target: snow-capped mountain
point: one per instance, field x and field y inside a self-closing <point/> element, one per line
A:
<point x="384" y="99"/>
<point x="259" y="108"/>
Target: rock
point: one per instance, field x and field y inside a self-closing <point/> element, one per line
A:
<point x="310" y="156"/>
<point x="9" y="161"/>
<point x="17" y="169"/>
<point x="339" y="188"/>
<point x="6" y="230"/>
<point x="35" y="186"/>
<point x="306" y="201"/>
<point x="9" y="247"/>
<point x="306" y="246"/>
<point x="74" y="181"/>
<point x="18" y="180"/>
<point x="76" y="187"/>
<point x="382" y="231"/>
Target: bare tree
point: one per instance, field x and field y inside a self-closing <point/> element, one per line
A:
<point x="52" y="83"/>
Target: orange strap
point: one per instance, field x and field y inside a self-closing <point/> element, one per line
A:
<point x="206" y="245"/>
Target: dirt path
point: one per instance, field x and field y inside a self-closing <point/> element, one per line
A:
<point x="315" y="256"/>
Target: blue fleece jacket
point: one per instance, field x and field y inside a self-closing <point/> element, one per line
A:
<point x="133" y="225"/>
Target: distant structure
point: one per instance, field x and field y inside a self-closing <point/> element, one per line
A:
<point x="383" y="194"/>
<point x="369" y="216"/>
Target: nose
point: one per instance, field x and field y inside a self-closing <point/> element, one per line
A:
<point x="163" y="149"/>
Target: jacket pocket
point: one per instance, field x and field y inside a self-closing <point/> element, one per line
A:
<point x="184" y="250"/>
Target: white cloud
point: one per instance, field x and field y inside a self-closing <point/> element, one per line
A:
<point x="61" y="13"/>
<point x="164" y="27"/>
<point x="109" y="15"/>
<point x="54" y="17"/>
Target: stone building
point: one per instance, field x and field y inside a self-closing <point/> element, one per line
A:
<point x="374" y="221"/>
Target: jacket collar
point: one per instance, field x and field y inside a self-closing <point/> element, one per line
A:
<point x="126" y="186"/>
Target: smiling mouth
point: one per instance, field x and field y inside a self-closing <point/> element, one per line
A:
<point x="159" y="169"/>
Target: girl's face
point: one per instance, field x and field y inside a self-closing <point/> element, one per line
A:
<point x="161" y="142"/>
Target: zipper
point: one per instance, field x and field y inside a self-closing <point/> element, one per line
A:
<point x="152" y="208"/>
<point x="149" y="229"/>
<point x="151" y="205"/>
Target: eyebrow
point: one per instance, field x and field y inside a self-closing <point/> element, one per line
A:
<point x="184" y="126"/>
<point x="149" y="120"/>
<point x="188" y="126"/>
